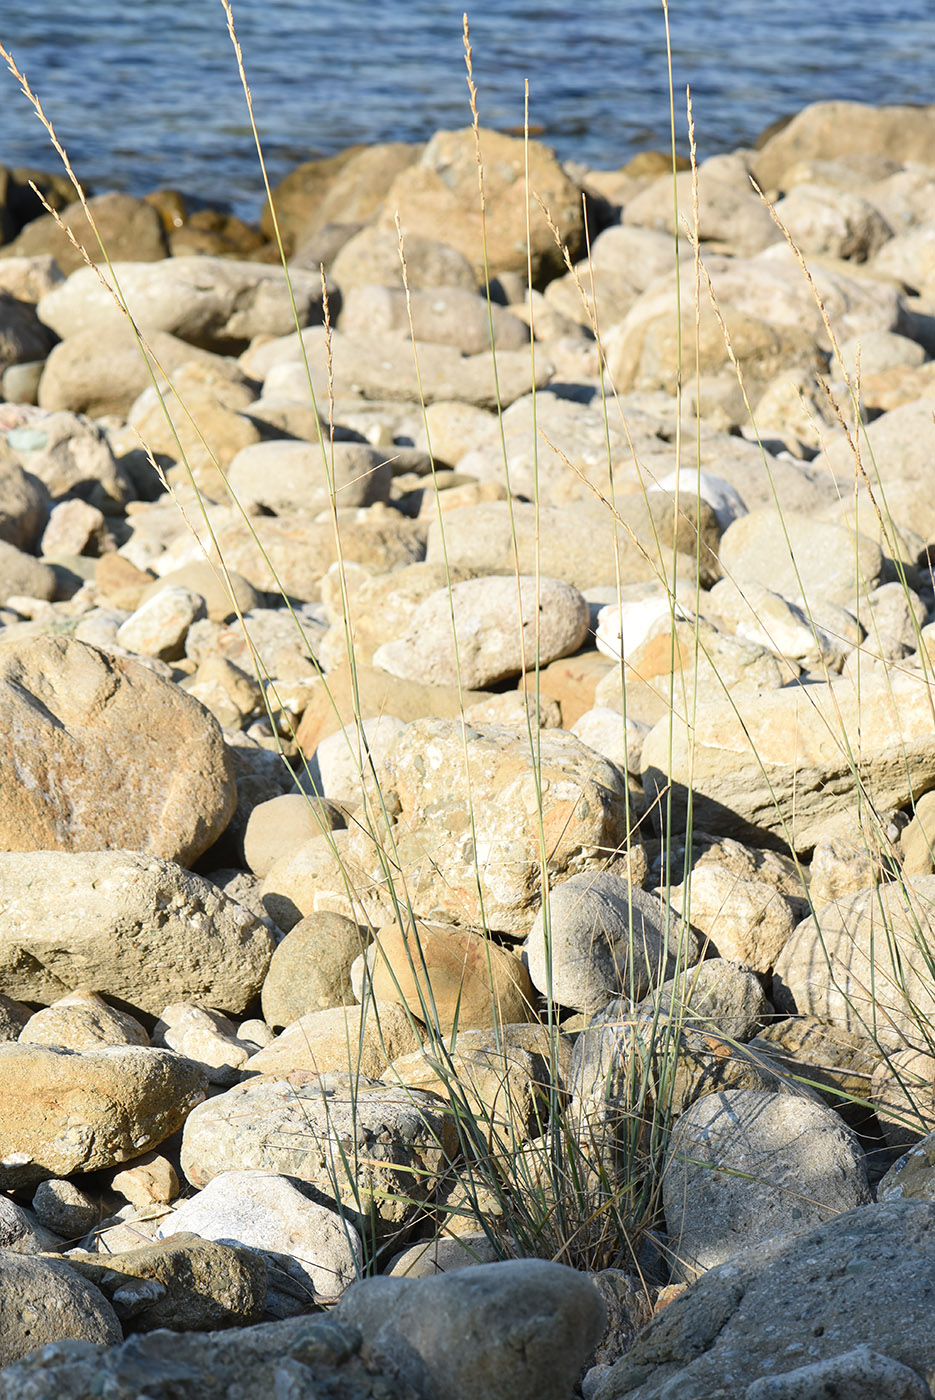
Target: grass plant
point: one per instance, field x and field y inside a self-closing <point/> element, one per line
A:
<point x="581" y="1183"/>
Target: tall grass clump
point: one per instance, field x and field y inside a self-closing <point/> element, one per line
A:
<point x="575" y="1178"/>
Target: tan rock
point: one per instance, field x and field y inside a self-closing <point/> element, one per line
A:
<point x="343" y="188"/>
<point x="336" y="699"/>
<point x="864" y="963"/>
<point x="82" y="1021"/>
<point x="450" y="977"/>
<point x="748" y="921"/>
<point x="827" y="130"/>
<point x="371" y="258"/>
<point x="88" y="728"/>
<point x="65" y="1112"/>
<point x="142" y="930"/>
<point x="310" y="970"/>
<point x="128" y="228"/>
<point x="466" y="836"/>
<point x="441" y="192"/>
<point x="352" y="1039"/>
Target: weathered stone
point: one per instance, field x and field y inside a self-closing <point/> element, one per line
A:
<point x="369" y="693"/>
<point x="449" y="976"/>
<point x="862" y="1275"/>
<point x="502" y="627"/>
<point x="198" y="421"/>
<point x="371" y="258"/>
<point x="468" y="805"/>
<point x="314" y="1353"/>
<point x="784" y="764"/>
<point x="310" y="1253"/>
<point x="66" y="1112"/>
<point x="746" y="920"/>
<point x="283" y="476"/>
<point x="339" y="765"/>
<point x="829" y="130"/>
<point x="82" y="1021"/>
<point x="24" y="505"/>
<point x="89" y="728"/>
<point x="441" y="1256"/>
<point x="350" y="1039"/>
<point x="375" y="1149"/>
<point x="596" y="936"/>
<point x="44" y="1301"/>
<point x="22" y="576"/>
<point x="159" y="626"/>
<point x="68" y="453"/>
<point x="832" y="223"/>
<point x="744" y="1166"/>
<point x="214" y="303"/>
<point x="440" y="315"/>
<point x="538" y="1321"/>
<point x="207" y="1038"/>
<point x="440" y="192"/>
<point x="186" y="1284"/>
<point x="138" y="928"/>
<point x="310" y="969"/>
<point x="864" y="963"/>
<point x="280" y="826"/>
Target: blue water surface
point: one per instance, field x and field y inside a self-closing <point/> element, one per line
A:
<point x="145" y="93"/>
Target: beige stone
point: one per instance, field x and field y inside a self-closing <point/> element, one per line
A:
<point x="352" y="1039"/>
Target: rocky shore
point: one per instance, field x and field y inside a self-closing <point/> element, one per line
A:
<point x="282" y="1003"/>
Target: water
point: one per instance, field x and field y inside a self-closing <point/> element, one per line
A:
<point x="145" y="93"/>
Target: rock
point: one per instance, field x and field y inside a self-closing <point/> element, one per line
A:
<point x="861" y="1374"/>
<point x="903" y="1093"/>
<point x="596" y="937"/>
<point x="68" y="453"/>
<point x="502" y="625"/>
<point x="746" y="920"/>
<point x="918" y="839"/>
<point x="802" y="557"/>
<point x="783" y="766"/>
<point x="127" y="227"/>
<point x="310" y="970"/>
<point x="23" y="576"/>
<point x="23" y="337"/>
<point x="280" y="826"/>
<point x="66" y="1112"/>
<point x="467" y="804"/>
<point x="22" y="1232"/>
<point x="572" y="681"/>
<point x="837" y="967"/>
<point x="185" y="1284"/>
<point x="290" y="553"/>
<point x="76" y="712"/>
<point x="581" y="543"/>
<point x="13" y="1017"/>
<point x="834" y="1063"/>
<point x="149" y="1180"/>
<point x="370" y="693"/>
<point x="723" y="208"/>
<point x="861" y="1275"/>
<point x="441" y="315"/>
<point x="744" y="1166"/>
<point x="63" y="1207"/>
<point x="441" y="1256"/>
<point x="383" y="367"/>
<point x="348" y="186"/>
<point x="24" y="505"/>
<point x="911" y="1177"/>
<point x="449" y="976"/>
<point x="81" y="1021"/>
<point x="322" y="876"/>
<point x="306" y="1354"/>
<point x="283" y="476"/>
<point x="501" y="1078"/>
<point x="367" y="1150"/>
<point x="340" y="763"/>
<point x="309" y="1252"/>
<point x="829" y="130"/>
<point x="429" y="1328"/>
<point x="215" y="590"/>
<point x="378" y="608"/>
<point x="95" y="375"/>
<point x="758" y="614"/>
<point x="371" y="258"/>
<point x="350" y="1039"/>
<point x="44" y="1301"/>
<point x="832" y="223"/>
<point x="214" y="303"/>
<point x="75" y="527"/>
<point x="138" y="928"/>
<point x="198" y="421"/>
<point x="441" y="192"/>
<point x="724" y="998"/>
<point x="28" y="279"/>
<point x="207" y="1038"/>
<point x="159" y="626"/>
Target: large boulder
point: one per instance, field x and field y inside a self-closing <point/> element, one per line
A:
<point x="865" y="1277"/>
<point x="132" y="926"/>
<point x="44" y="1301"/>
<point x="829" y="130"/>
<point x="98" y="751"/>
